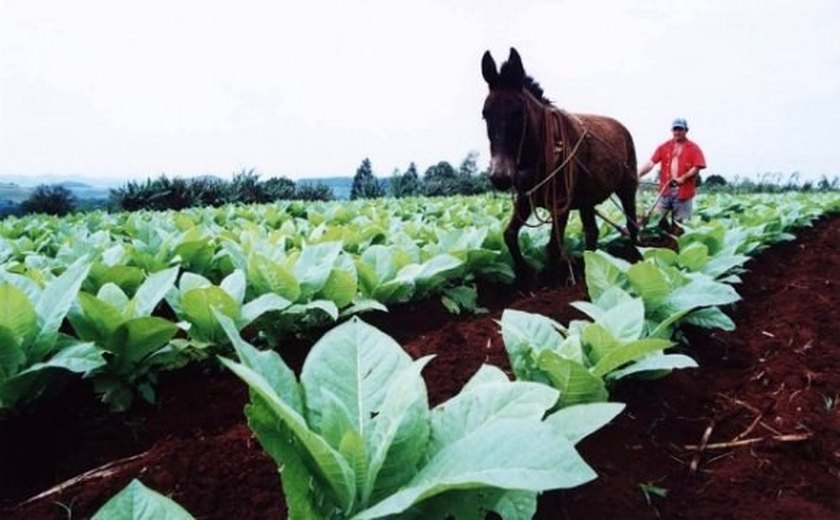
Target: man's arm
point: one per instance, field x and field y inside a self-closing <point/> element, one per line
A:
<point x="688" y="175"/>
<point x="699" y="164"/>
<point x="648" y="166"/>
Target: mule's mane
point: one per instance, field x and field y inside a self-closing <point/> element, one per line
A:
<point x="531" y="85"/>
<point x="528" y="83"/>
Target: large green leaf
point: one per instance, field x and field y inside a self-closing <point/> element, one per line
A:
<point x="98" y="320"/>
<point x="627" y="353"/>
<point x="137" y="502"/>
<point x="269" y="276"/>
<point x="649" y="282"/>
<point x="710" y="318"/>
<point x="398" y="435"/>
<point x="314" y="266"/>
<point x="267" y="363"/>
<point x="575" y="383"/>
<point x="578" y="422"/>
<point x="328" y="464"/>
<point x="482" y="403"/>
<point x="198" y="304"/>
<point x="394" y="291"/>
<point x="625" y="321"/>
<point x="722" y="264"/>
<point x="381" y="259"/>
<point x="234" y="284"/>
<point x="600" y="273"/>
<point x="259" y="306"/>
<point x="138" y="337"/>
<point x="29" y="384"/>
<point x="17" y="315"/>
<point x="113" y="295"/>
<point x="340" y="287"/>
<point x="492" y="456"/>
<point x="152" y="291"/>
<point x="280" y="443"/>
<point x="701" y="291"/>
<point x="654" y="362"/>
<point x="693" y="256"/>
<point x="597" y="342"/>
<point x="525" y="335"/>
<point x="476" y="504"/>
<point x="11" y="354"/>
<point x="53" y="304"/>
<point x="355" y="362"/>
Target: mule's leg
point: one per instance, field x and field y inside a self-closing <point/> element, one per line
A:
<point x="524" y="272"/>
<point x="590" y="227"/>
<point x="627" y="196"/>
<point x="557" y="252"/>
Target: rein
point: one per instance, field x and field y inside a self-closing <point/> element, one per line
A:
<point x="553" y="120"/>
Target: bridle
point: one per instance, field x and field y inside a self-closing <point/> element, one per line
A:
<point x="553" y="120"/>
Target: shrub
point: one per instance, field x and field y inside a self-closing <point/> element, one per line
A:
<point x="50" y="199"/>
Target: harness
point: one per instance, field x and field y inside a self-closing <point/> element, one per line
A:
<point x="557" y="121"/>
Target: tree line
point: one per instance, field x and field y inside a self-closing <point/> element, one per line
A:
<point x="439" y="180"/>
<point x="246" y="187"/>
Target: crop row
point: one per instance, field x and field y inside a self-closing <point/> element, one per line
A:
<point x="120" y="297"/>
<point x="355" y="437"/>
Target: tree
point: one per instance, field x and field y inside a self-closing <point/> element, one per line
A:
<point x="246" y="187"/>
<point x="440" y="179"/>
<point x="279" y="188"/>
<point x="50" y="199"/>
<point x="407" y="184"/>
<point x="470" y="181"/>
<point x="318" y="191"/>
<point x="365" y="185"/>
<point x="715" y="180"/>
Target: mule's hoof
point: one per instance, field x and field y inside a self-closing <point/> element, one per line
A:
<point x="526" y="279"/>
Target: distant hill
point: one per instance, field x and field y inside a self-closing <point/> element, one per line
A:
<point x="340" y="186"/>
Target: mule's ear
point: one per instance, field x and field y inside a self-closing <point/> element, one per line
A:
<point x="516" y="70"/>
<point x="488" y="69"/>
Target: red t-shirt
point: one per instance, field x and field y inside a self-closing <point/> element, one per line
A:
<point x="690" y="156"/>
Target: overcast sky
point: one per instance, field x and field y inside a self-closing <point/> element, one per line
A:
<point x="307" y="89"/>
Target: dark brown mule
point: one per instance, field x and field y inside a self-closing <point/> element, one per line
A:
<point x="553" y="159"/>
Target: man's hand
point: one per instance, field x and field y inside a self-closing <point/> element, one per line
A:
<point x="674" y="182"/>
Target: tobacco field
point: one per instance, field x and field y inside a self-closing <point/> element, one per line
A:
<point x="170" y="364"/>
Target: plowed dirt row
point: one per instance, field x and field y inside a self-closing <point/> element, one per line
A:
<point x="765" y="399"/>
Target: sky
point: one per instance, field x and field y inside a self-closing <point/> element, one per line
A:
<point x="131" y="89"/>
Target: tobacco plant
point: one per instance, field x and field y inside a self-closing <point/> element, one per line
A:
<point x="355" y="437"/>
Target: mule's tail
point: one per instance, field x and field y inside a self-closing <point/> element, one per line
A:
<point x="628" y="187"/>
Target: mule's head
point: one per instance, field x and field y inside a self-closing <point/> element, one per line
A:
<point x="506" y="118"/>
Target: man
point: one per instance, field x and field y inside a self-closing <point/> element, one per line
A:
<point x="680" y="160"/>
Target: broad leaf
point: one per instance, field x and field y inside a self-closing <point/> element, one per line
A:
<point x="152" y="291"/>
<point x="53" y="304"/>
<point x="137" y="502"/>
<point x="575" y="383"/>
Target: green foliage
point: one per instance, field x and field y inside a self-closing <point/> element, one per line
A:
<point x="49" y="199"/>
<point x="137" y="502"/>
<point x="176" y="193"/>
<point x="247" y="188"/>
<point x="355" y="437"/>
<point x="316" y="191"/>
<point x="34" y="356"/>
<point x="279" y="188"/>
<point x="407" y="184"/>
<point x="134" y="343"/>
<point x="441" y="179"/>
<point x="365" y="185"/>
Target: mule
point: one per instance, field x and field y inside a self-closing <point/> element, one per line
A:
<point x="553" y="159"/>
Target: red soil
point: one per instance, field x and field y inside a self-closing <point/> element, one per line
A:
<point x="778" y="374"/>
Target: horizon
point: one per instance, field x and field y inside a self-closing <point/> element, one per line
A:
<point x="308" y="91"/>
